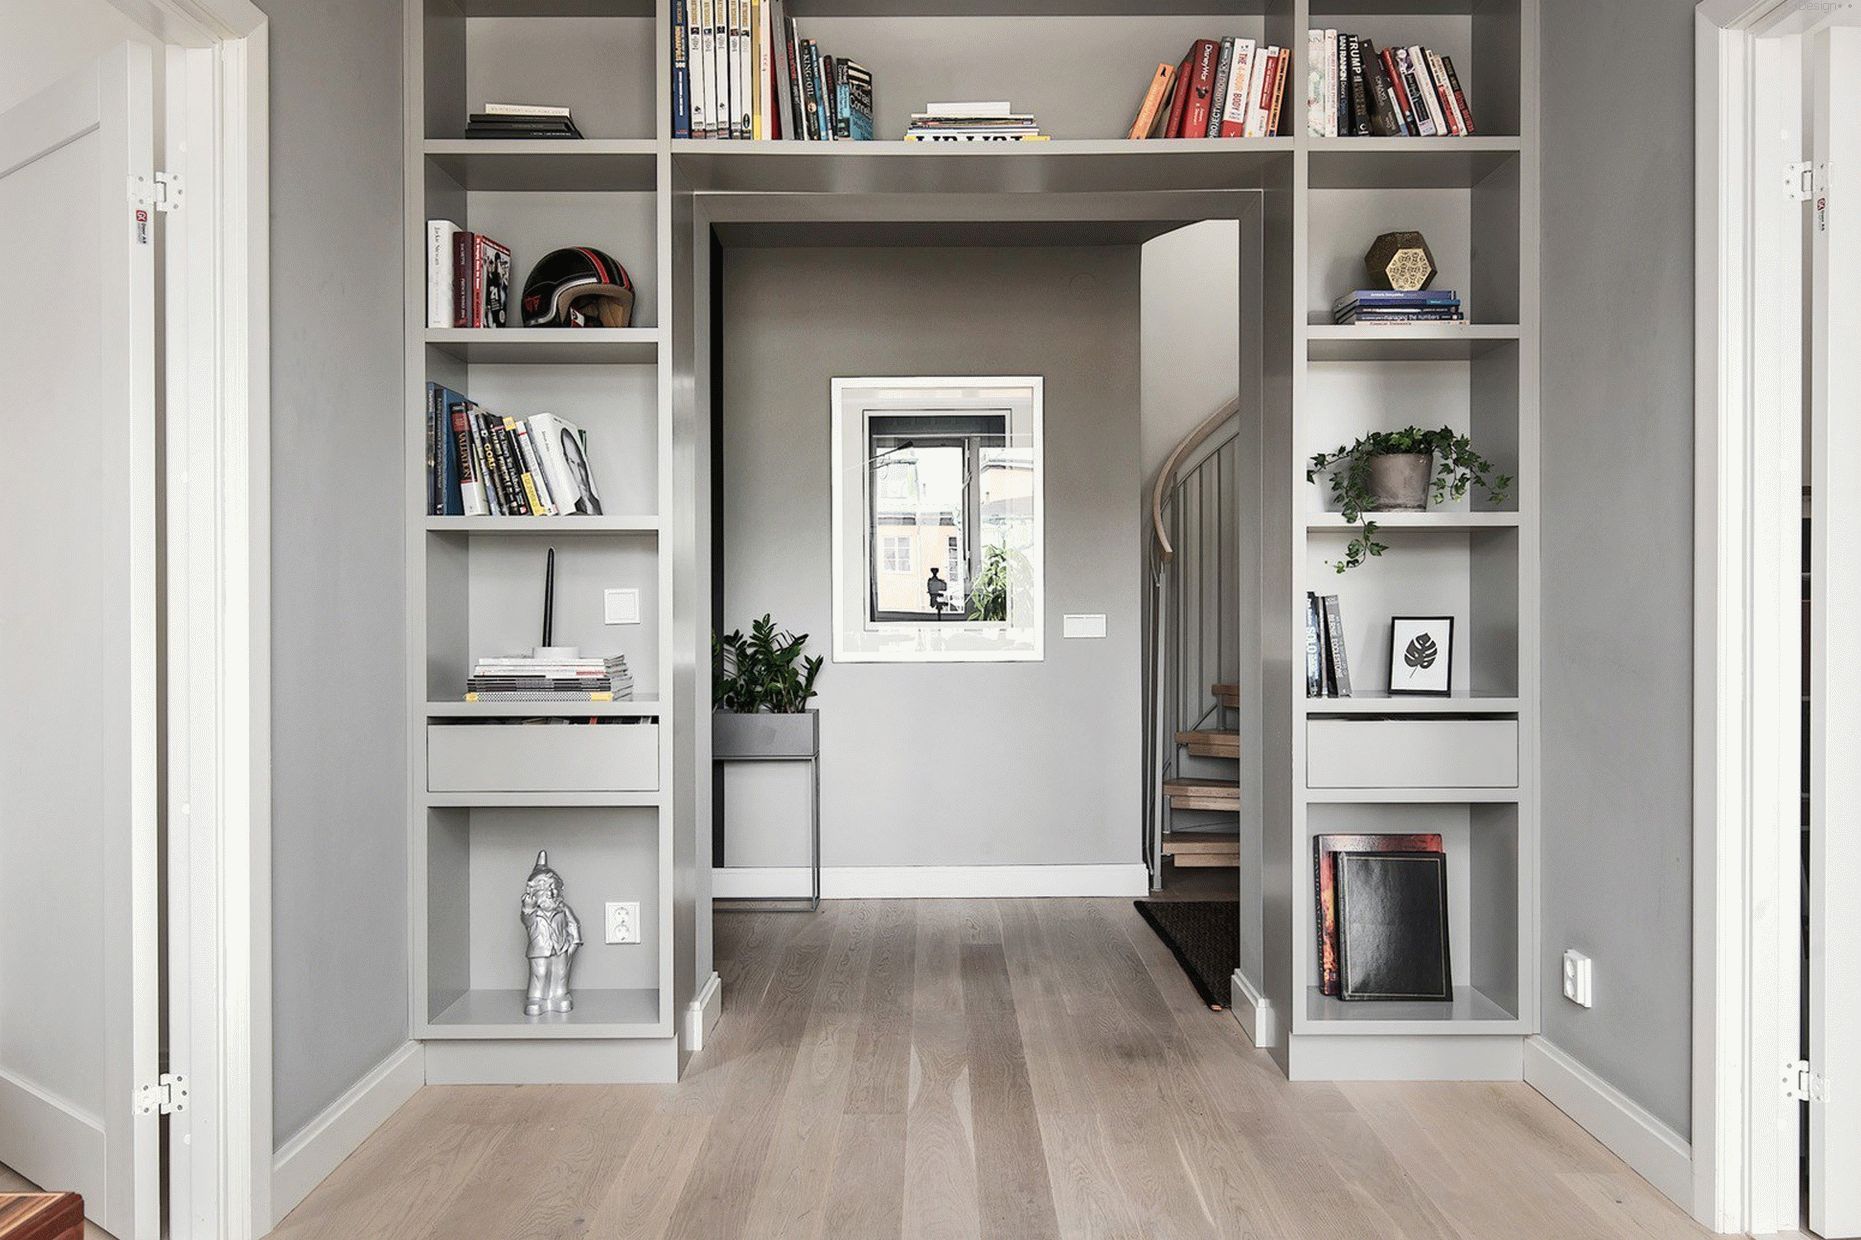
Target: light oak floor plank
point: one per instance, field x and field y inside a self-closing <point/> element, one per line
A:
<point x="969" y="1068"/>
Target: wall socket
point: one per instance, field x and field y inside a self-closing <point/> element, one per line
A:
<point x="621" y="606"/>
<point x="1579" y="978"/>
<point x="623" y="921"/>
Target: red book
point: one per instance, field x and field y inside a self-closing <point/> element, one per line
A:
<point x="462" y="247"/>
<point x="1207" y="57"/>
<point x="1282" y="71"/>
<point x="1324" y="877"/>
<point x="1405" y="110"/>
<point x="1173" y="128"/>
<point x="1460" y="96"/>
<point x="1269" y="90"/>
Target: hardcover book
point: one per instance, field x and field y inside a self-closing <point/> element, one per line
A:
<point x="1150" y="113"/>
<point x="1315" y="83"/>
<point x="1314" y="656"/>
<point x="1336" y="656"/>
<point x="681" y="70"/>
<point x="1207" y="57"/>
<point x="490" y="282"/>
<point x="1179" y="99"/>
<point x="1360" y="101"/>
<point x="1227" y="69"/>
<point x="1234" y="102"/>
<point x="1325" y="849"/>
<point x="858" y="101"/>
<point x="1392" y="926"/>
<point x="1383" y="120"/>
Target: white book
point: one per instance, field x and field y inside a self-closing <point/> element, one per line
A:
<point x="720" y="67"/>
<point x="694" y="68"/>
<point x="570" y="477"/>
<point x="1234" y="104"/>
<point x="739" y="97"/>
<point x="1260" y="107"/>
<point x="764" y="66"/>
<point x="526" y="109"/>
<point x="1315" y="83"/>
<point x="1457" y="124"/>
<point x="533" y="465"/>
<point x="993" y="107"/>
<point x="439" y="235"/>
<point x="703" y="69"/>
<point x="1331" y="83"/>
<point x="1418" y="55"/>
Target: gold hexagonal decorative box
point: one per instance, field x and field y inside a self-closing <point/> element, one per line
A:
<point x="1400" y="260"/>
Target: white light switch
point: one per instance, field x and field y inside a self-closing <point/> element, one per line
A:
<point x="1082" y="626"/>
<point x="1579" y="978"/>
<point x="623" y="922"/>
<point x="623" y="606"/>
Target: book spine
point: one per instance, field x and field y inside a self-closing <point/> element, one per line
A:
<point x="1315" y="83"/>
<point x="1225" y="75"/>
<point x="1147" y="115"/>
<point x="703" y="97"/>
<point x="1460" y="96"/>
<point x="536" y="483"/>
<point x="1232" y="102"/>
<point x="1201" y="89"/>
<point x="1446" y="93"/>
<point x="843" y="100"/>
<point x="476" y="310"/>
<point x="1383" y="122"/>
<point x="439" y="272"/>
<point x="810" y="81"/>
<point x="1326" y="961"/>
<point x="1342" y="56"/>
<point x="830" y="108"/>
<point x="1314" y="668"/>
<point x="756" y="44"/>
<point x="784" y="123"/>
<point x="433" y="402"/>
<point x="859" y="99"/>
<point x="720" y="68"/>
<point x="481" y="462"/>
<point x="507" y="467"/>
<point x="520" y="469"/>
<point x="1179" y="100"/>
<point x="1418" y="98"/>
<point x="471" y="503"/>
<point x="1399" y="95"/>
<point x="681" y="73"/>
<point x="1282" y="70"/>
<point x="1331" y="83"/>
<point x="1360" y="102"/>
<point x="797" y="82"/>
<point x="771" y="127"/>
<point x="745" y="114"/>
<point x="462" y="278"/>
<point x="1425" y="87"/>
<point x="1340" y="659"/>
<point x="1261" y="93"/>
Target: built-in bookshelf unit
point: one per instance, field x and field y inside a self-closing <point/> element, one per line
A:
<point x="619" y="792"/>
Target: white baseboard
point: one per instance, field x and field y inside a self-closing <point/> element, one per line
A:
<point x="1656" y="1152"/>
<point x="702" y="1013"/>
<point x="307" y="1159"/>
<point x="1254" y="1010"/>
<point x="930" y="882"/>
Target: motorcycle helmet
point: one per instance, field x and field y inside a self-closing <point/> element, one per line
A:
<point x="577" y="287"/>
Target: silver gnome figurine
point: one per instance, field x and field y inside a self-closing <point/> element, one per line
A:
<point x="553" y="934"/>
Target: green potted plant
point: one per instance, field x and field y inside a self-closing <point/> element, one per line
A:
<point x="1401" y="471"/>
<point x="760" y="687"/>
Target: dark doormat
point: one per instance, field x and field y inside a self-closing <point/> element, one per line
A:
<point x="1205" y="938"/>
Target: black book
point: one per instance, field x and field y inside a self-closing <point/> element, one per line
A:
<point x="1360" y="103"/>
<point x="1335" y="654"/>
<point x="1385" y="118"/>
<point x="1344" y="85"/>
<point x="1392" y="926"/>
<point x="1314" y="655"/>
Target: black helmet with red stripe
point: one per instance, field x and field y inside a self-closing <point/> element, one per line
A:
<point x="577" y="287"/>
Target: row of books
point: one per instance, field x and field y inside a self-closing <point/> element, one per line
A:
<point x="544" y="677"/>
<point x="1381" y="916"/>
<point x="522" y="120"/>
<point x="468" y="278"/>
<point x="1327" y="664"/>
<point x="1224" y="88"/>
<point x="1381" y="305"/>
<point x="992" y="121"/>
<point x="483" y="464"/>
<point x="1354" y="90"/>
<point x="740" y="69"/>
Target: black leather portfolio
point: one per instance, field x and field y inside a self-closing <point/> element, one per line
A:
<point x="1392" y="925"/>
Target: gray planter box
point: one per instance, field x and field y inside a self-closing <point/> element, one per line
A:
<point x="764" y="735"/>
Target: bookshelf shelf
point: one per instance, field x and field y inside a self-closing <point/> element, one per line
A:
<point x="541" y="800"/>
<point x="544" y="346"/>
<point x="1362" y="703"/>
<point x="1407" y="163"/>
<point x="542" y="525"/>
<point x="1028" y="8"/>
<point x="1471" y="1012"/>
<point x="1406" y="342"/>
<point x="540" y="710"/>
<point x="1334" y="521"/>
<point x="547" y="164"/>
<point x="1411" y="796"/>
<point x="491" y="1013"/>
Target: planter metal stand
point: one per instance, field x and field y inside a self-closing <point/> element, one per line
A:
<point x="778" y="738"/>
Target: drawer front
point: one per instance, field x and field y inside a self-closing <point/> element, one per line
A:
<point x="1412" y="753"/>
<point x="574" y="757"/>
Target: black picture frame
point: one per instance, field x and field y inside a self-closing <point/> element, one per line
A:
<point x="1398" y="656"/>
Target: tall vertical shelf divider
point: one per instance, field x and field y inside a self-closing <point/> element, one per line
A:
<point x="645" y="394"/>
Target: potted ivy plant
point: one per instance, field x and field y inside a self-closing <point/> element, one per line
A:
<point x="760" y="687"/>
<point x="1401" y="471"/>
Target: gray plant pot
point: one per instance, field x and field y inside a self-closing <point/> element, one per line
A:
<point x="764" y="735"/>
<point x="1399" y="481"/>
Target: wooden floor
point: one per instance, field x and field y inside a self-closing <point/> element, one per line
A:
<point x="1021" y="1069"/>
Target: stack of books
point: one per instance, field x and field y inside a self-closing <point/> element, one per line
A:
<point x="1353" y="89"/>
<point x="1382" y="305"/>
<point x="993" y="121"/>
<point x="1224" y="88"/>
<point x="740" y="69"/>
<point x="483" y="464"/>
<point x="1327" y="663"/>
<point x="468" y="278"/>
<point x="522" y="120"/>
<point x="546" y="678"/>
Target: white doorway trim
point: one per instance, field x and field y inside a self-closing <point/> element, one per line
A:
<point x="217" y="548"/>
<point x="1747" y="617"/>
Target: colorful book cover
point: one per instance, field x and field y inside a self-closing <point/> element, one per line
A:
<point x="859" y="102"/>
<point x="1324" y="879"/>
<point x="681" y="72"/>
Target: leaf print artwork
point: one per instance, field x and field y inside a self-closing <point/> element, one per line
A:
<point x="1421" y="654"/>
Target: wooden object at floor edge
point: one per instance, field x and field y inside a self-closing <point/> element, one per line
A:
<point x="41" y="1216"/>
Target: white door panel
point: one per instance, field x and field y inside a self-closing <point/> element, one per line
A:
<point x="78" y="932"/>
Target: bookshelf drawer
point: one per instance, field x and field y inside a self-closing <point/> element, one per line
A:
<point x="573" y="757"/>
<point x="1412" y="753"/>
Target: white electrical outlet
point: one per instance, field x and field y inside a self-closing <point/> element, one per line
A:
<point x="622" y="606"/>
<point x="1579" y="978"/>
<point x="623" y="922"/>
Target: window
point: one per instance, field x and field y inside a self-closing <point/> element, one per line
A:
<point x="897" y="554"/>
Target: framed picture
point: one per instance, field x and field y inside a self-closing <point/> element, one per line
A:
<point x="1421" y="655"/>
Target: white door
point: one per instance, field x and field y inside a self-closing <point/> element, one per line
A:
<point x="1835" y="689"/>
<point x="78" y="881"/>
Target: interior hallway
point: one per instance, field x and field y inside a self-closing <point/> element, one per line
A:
<point x="1017" y="1068"/>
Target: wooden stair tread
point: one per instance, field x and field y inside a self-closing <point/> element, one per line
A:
<point x="1209" y="794"/>
<point x="1202" y="848"/>
<point x="1211" y="744"/>
<point x="1227" y="695"/>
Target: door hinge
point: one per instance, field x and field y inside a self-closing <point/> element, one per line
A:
<point x="1805" y="180"/>
<point x="166" y="1096"/>
<point x="1802" y="1085"/>
<point x="162" y="192"/>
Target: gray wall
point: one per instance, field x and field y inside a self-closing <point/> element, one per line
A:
<point x="1618" y="537"/>
<point x="1029" y="763"/>
<point x="339" y="738"/>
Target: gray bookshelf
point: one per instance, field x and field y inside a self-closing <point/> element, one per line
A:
<point x="1307" y="206"/>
